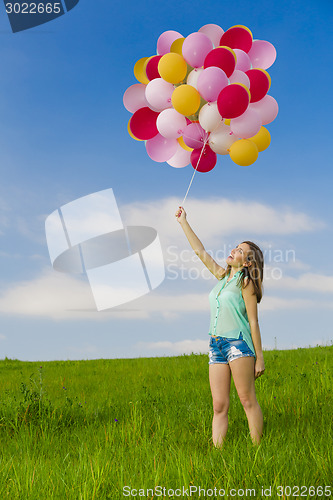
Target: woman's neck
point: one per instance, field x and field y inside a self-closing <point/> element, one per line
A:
<point x="233" y="271"/>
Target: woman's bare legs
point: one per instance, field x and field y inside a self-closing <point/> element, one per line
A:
<point x="242" y="370"/>
<point x="219" y="378"/>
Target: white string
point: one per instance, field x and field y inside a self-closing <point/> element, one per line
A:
<point x="203" y="147"/>
<point x="195" y="170"/>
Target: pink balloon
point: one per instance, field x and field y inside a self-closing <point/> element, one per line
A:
<point x="247" y="125"/>
<point x="160" y="148"/>
<point x="243" y="62"/>
<point x="194" y="136"/>
<point x="195" y="49"/>
<point x="210" y="83"/>
<point x="262" y="54"/>
<point x="214" y="32"/>
<point x="171" y="124"/>
<point x="267" y="108"/>
<point x="158" y="94"/>
<point x="134" y="97"/>
<point x="166" y="40"/>
<point x="240" y="77"/>
<point x="181" y="158"/>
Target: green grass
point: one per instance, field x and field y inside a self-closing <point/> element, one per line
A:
<point x="86" y="429"/>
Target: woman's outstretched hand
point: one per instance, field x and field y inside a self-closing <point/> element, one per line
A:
<point x="180" y="215"/>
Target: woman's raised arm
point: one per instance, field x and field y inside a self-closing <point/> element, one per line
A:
<point x="217" y="270"/>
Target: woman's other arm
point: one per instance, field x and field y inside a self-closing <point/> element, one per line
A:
<point x="250" y="300"/>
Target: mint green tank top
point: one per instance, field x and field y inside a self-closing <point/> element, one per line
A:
<point x="228" y="312"/>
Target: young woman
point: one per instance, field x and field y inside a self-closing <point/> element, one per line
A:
<point x="235" y="345"/>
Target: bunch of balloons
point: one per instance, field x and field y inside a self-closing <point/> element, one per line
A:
<point x="203" y="95"/>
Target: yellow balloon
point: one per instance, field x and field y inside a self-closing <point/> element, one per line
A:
<point x="186" y="100"/>
<point x="262" y="139"/>
<point x="172" y="67"/>
<point x="145" y="64"/>
<point x="226" y="121"/>
<point x="140" y="70"/>
<point x="177" y="46"/>
<point x="130" y="131"/>
<point x="243" y="152"/>
<point x="183" y="145"/>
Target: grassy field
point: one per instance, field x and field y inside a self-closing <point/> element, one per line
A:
<point x="113" y="429"/>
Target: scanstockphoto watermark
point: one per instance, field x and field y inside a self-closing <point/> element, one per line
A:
<point x="184" y="492"/>
<point x="276" y="491"/>
<point x="185" y="264"/>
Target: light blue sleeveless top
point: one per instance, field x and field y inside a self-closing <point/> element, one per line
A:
<point x="228" y="312"/>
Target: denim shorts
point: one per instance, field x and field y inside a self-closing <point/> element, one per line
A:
<point x="224" y="350"/>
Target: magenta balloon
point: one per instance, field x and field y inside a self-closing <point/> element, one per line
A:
<point x="134" y="97"/>
<point x="158" y="94"/>
<point x="204" y="159"/>
<point x="195" y="49"/>
<point x="210" y="83"/>
<point x="247" y="125"/>
<point x="166" y="40"/>
<point x="171" y="124"/>
<point x="240" y="77"/>
<point x="181" y="158"/>
<point x="194" y="136"/>
<point x="160" y="148"/>
<point x="267" y="108"/>
<point x="143" y="124"/>
<point x="214" y="32"/>
<point x="262" y="54"/>
<point x="243" y="62"/>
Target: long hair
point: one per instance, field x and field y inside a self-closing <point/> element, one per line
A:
<point x="255" y="272"/>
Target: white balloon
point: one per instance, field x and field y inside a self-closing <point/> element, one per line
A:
<point x="221" y="140"/>
<point x="171" y="124"/>
<point x="158" y="94"/>
<point x="209" y="117"/>
<point x="192" y="78"/>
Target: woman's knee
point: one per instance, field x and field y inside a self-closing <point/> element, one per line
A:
<point x="248" y="401"/>
<point x="220" y="407"/>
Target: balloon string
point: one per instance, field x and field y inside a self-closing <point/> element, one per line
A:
<point x="195" y="170"/>
<point x="203" y="147"/>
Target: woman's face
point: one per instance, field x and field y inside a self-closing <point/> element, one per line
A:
<point x="238" y="255"/>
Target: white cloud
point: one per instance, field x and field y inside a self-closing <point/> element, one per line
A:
<point x="171" y="348"/>
<point x="217" y="217"/>
<point x="57" y="296"/>
<point x="60" y="297"/>
<point x="306" y="282"/>
<point x="270" y="303"/>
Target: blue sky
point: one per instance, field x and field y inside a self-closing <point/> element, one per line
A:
<point x="64" y="135"/>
